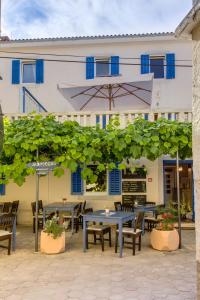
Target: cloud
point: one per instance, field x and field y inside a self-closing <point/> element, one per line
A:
<point x="50" y="18"/>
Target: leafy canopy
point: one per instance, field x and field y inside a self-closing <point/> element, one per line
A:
<point x="38" y="138"/>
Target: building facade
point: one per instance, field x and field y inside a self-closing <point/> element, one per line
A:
<point x="89" y="79"/>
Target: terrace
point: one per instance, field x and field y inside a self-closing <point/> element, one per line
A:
<point x="150" y="275"/>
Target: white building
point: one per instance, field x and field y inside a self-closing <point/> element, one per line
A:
<point x="90" y="78"/>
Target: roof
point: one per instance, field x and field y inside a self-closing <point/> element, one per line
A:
<point x="95" y="37"/>
<point x="190" y="21"/>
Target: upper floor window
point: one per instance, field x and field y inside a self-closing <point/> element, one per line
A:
<point x="157" y="66"/>
<point x="102" y="67"/>
<point x="29" y="72"/>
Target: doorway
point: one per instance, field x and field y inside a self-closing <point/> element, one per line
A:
<point x="186" y="186"/>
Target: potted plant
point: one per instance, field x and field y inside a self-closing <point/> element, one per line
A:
<point x="52" y="240"/>
<point x="165" y="237"/>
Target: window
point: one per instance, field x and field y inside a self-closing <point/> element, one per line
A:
<point x="100" y="186"/>
<point x="157" y="66"/>
<point x="102" y="67"/>
<point x="29" y="72"/>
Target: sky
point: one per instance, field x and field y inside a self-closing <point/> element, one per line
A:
<point x="59" y="18"/>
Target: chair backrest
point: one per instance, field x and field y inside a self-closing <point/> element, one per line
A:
<point x="118" y="206"/>
<point x="40" y="207"/>
<point x="139" y="221"/>
<point x="77" y="209"/>
<point x="7" y="207"/>
<point x="87" y="210"/>
<point x="128" y="207"/>
<point x="83" y="206"/>
<point x="7" y="221"/>
<point x="14" y="206"/>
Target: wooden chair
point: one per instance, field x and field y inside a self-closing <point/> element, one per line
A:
<point x="98" y="230"/>
<point x="40" y="214"/>
<point x="7" y="207"/>
<point x="83" y="205"/>
<point x="14" y="208"/>
<point x="118" y="206"/>
<point x="133" y="233"/>
<point x="6" y="227"/>
<point x="77" y="212"/>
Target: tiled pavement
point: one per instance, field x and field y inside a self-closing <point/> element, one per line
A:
<point x="74" y="275"/>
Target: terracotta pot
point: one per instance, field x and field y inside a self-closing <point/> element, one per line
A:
<point x="49" y="245"/>
<point x="164" y="240"/>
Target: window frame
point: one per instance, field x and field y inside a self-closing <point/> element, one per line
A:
<point x="154" y="57"/>
<point x="102" y="58"/>
<point x="28" y="62"/>
<point x="85" y="193"/>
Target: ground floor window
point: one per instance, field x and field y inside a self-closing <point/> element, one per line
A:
<point x="100" y="186"/>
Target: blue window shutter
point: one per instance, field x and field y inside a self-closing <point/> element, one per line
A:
<point x="2" y="189"/>
<point x="114" y="65"/>
<point x="115" y="182"/>
<point x="39" y="71"/>
<point x="144" y="64"/>
<point x="170" y="69"/>
<point x="15" y="71"/>
<point x="97" y="119"/>
<point x="90" y="67"/>
<point x="76" y="182"/>
<point x="104" y="121"/>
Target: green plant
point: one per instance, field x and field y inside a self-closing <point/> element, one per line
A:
<point x="42" y="138"/>
<point x="168" y="218"/>
<point x="52" y="227"/>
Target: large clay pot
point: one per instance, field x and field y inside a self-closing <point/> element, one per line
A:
<point x="49" y="245"/>
<point x="164" y="240"/>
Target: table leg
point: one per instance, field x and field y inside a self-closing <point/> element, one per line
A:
<point x="84" y="234"/>
<point x="120" y="239"/>
<point x="14" y="235"/>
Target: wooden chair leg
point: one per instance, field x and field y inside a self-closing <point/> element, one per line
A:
<point x="133" y="240"/>
<point x="110" y="242"/>
<point x="33" y="225"/>
<point x="77" y="225"/>
<point x="139" y="244"/>
<point x="116" y="242"/>
<point x="9" y="245"/>
<point x="95" y="238"/>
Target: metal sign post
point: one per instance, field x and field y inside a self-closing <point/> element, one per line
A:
<point x="42" y="168"/>
<point x="178" y="199"/>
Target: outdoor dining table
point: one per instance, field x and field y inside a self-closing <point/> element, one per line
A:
<point x="113" y="217"/>
<point x="13" y="232"/>
<point x="60" y="206"/>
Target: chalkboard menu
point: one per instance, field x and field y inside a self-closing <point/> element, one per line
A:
<point x="131" y="199"/>
<point x="134" y="186"/>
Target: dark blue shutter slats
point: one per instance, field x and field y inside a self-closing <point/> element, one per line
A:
<point x="15" y="71"/>
<point x="104" y="121"/>
<point x="170" y="68"/>
<point x="90" y="67"/>
<point x="97" y="119"/>
<point x="39" y="71"/>
<point x="76" y="182"/>
<point x="115" y="182"/>
<point x="144" y="64"/>
<point x="2" y="189"/>
<point x="114" y="65"/>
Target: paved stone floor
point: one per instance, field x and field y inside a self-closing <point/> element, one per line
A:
<point x="74" y="275"/>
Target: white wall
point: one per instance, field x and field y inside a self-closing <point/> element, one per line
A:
<point x="54" y="189"/>
<point x="167" y="94"/>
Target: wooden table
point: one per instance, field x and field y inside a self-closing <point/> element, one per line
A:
<point x="60" y="206"/>
<point x="114" y="217"/>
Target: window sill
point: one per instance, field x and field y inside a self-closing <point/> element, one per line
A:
<point x="108" y="76"/>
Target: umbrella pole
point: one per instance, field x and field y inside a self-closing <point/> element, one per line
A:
<point x="110" y="96"/>
<point x="178" y="198"/>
